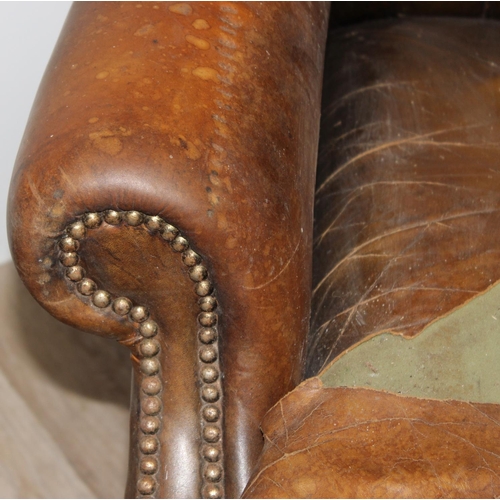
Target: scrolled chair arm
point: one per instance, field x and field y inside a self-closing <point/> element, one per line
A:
<point x="167" y="145"/>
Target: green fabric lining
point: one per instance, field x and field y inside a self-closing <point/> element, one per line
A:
<point x="456" y="357"/>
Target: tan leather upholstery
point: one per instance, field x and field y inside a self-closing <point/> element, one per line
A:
<point x="163" y="197"/>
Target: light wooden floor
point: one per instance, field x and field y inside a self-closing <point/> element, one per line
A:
<point x="63" y="404"/>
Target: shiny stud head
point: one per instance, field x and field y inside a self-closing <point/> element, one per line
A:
<point x="77" y="230"/>
<point x="148" y="328"/>
<point x="212" y="491"/>
<point x="204" y="288"/>
<point x="198" y="273"/>
<point x="211" y="453"/>
<point x="208" y="354"/>
<point x="92" y="220"/>
<point x="151" y="405"/>
<point x="149" y="445"/>
<point x="69" y="259"/>
<point x="149" y="347"/>
<point x="151" y="386"/>
<point x="210" y="394"/>
<point x="75" y="273"/>
<point x="101" y="298"/>
<point x="146" y="485"/>
<point x="213" y="473"/>
<point x="68" y="244"/>
<point x="149" y="465"/>
<point x="208" y="303"/>
<point x="113" y="217"/>
<point x="190" y="258"/>
<point x="86" y="287"/>
<point x="211" y="413"/>
<point x="139" y="314"/>
<point x="207" y="318"/>
<point x="154" y="223"/>
<point x="150" y="366"/>
<point x="122" y="306"/>
<point x="209" y="374"/>
<point x="150" y="425"/>
<point x="180" y="244"/>
<point x="169" y="232"/>
<point x="207" y="335"/>
<point x="211" y="433"/>
<point x="133" y="218"/>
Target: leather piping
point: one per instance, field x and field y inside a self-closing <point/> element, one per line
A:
<point x="211" y="400"/>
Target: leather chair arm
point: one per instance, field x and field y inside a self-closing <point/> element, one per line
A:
<point x="172" y="148"/>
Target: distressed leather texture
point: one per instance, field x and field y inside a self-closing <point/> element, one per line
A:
<point x="360" y="443"/>
<point x="407" y="191"/>
<point x="208" y="116"/>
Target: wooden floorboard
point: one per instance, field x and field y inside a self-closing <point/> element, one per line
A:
<point x="64" y="404"/>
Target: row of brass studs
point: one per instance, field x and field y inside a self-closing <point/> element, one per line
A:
<point x="149" y="347"/>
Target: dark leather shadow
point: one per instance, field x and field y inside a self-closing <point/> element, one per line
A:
<point x="80" y="362"/>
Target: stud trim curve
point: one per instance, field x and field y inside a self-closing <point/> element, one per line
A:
<point x="209" y="376"/>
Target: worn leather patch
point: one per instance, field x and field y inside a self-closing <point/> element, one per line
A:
<point x="408" y="186"/>
<point x="361" y="443"/>
<point x="456" y="357"/>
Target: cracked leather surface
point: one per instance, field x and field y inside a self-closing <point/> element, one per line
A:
<point x="407" y="201"/>
<point x="361" y="443"/>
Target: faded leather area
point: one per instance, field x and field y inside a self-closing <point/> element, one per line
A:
<point x="361" y="443"/>
<point x="407" y="207"/>
<point x="456" y="357"/>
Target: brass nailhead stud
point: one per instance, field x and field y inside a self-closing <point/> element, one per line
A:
<point x="133" y="218"/>
<point x="68" y="244"/>
<point x="211" y="453"/>
<point x="207" y="318"/>
<point x="69" y="259"/>
<point x="213" y="473"/>
<point x="208" y="354"/>
<point x="149" y="465"/>
<point x="101" y="298"/>
<point x="209" y="374"/>
<point x="207" y="335"/>
<point x="146" y="485"/>
<point x="139" y="314"/>
<point x="150" y="366"/>
<point x="190" y="258"/>
<point x="149" y="445"/>
<point x="75" y="273"/>
<point x="149" y="347"/>
<point x="151" y="405"/>
<point x="180" y="244"/>
<point x="77" y="230"/>
<point x="210" y="394"/>
<point x="151" y="385"/>
<point x="113" y="217"/>
<point x="198" y="273"/>
<point x="169" y="232"/>
<point x="92" y="220"/>
<point x="212" y="491"/>
<point x="86" y="287"/>
<point x="148" y="329"/>
<point x="211" y="413"/>
<point x="211" y="433"/>
<point x="208" y="303"/>
<point x="154" y="223"/>
<point x="204" y="288"/>
<point x="122" y="306"/>
<point x="150" y="425"/>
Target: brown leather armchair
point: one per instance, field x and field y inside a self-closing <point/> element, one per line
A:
<point x="163" y="196"/>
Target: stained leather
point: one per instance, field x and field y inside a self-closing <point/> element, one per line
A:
<point x="362" y="443"/>
<point x="208" y="115"/>
<point x="407" y="199"/>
